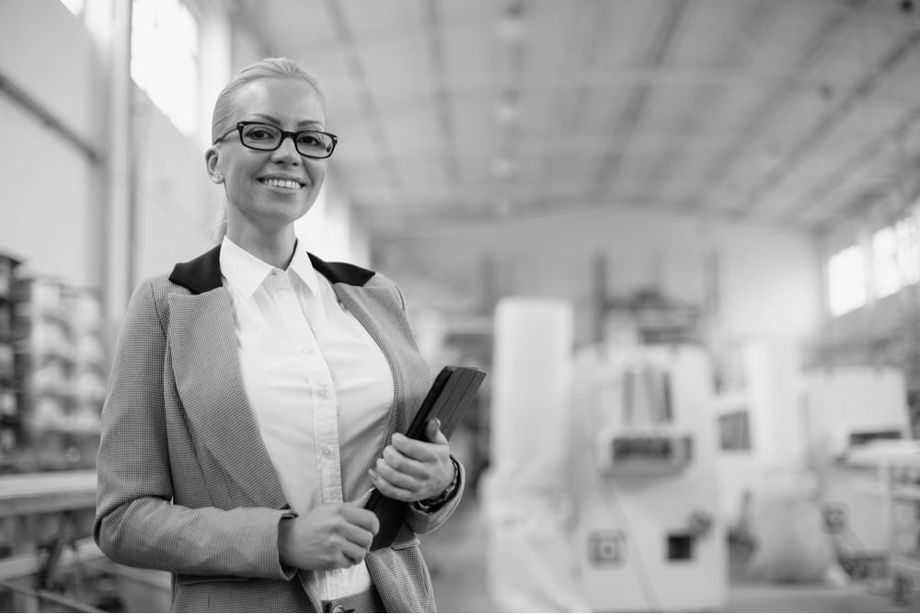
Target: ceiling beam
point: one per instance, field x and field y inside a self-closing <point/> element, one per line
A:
<point x="366" y="99"/>
<point x="663" y="42"/>
<point x="825" y="127"/>
<point x="709" y="102"/>
<point x="433" y="23"/>
<point x="763" y="116"/>
<point x="821" y="192"/>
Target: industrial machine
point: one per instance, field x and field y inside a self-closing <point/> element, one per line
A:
<point x="649" y="535"/>
<point x="848" y="411"/>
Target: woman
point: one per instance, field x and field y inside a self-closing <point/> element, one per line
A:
<point x="256" y="391"/>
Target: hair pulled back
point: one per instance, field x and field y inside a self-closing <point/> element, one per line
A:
<point x="222" y="119"/>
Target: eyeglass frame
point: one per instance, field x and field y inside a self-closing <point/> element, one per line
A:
<point x="284" y="134"/>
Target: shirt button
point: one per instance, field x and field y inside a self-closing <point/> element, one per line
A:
<point x="323" y="393"/>
<point x="327" y="452"/>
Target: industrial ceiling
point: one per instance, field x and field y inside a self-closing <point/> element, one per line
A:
<point x="796" y="113"/>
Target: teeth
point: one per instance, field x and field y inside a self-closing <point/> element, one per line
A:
<point x="289" y="184"/>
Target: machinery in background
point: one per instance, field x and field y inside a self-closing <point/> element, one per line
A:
<point x="644" y="478"/>
<point x="829" y="427"/>
<point x="526" y="490"/>
<point x="903" y="485"/>
<point x="856" y="422"/>
<point x="53" y="371"/>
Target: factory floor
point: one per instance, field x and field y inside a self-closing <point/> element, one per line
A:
<point x="456" y="555"/>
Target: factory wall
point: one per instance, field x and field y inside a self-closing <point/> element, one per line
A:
<point x="55" y="192"/>
<point x="52" y="190"/>
<point x="759" y="281"/>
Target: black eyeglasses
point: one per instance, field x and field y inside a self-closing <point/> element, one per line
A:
<point x="314" y="144"/>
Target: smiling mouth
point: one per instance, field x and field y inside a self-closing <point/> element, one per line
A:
<point x="284" y="184"/>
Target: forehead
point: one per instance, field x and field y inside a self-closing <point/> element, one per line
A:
<point x="287" y="100"/>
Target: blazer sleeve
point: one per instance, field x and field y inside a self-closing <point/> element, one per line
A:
<point x="136" y="522"/>
<point x="425" y="522"/>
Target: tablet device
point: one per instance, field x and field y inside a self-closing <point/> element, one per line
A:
<point x="449" y="397"/>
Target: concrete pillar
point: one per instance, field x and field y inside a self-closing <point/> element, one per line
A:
<point x="110" y="23"/>
<point x="214" y="53"/>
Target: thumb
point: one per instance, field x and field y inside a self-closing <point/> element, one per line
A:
<point x="433" y="431"/>
<point x="363" y="499"/>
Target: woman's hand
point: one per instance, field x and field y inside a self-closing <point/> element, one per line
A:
<point x="328" y="537"/>
<point x="413" y="470"/>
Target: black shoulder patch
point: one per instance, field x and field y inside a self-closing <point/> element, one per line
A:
<point x="199" y="275"/>
<point x="342" y="272"/>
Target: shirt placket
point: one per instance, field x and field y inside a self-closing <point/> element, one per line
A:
<point x="327" y="457"/>
<point x="325" y="418"/>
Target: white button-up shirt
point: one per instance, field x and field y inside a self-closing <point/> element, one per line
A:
<point x="320" y="387"/>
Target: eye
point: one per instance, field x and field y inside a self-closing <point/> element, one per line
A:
<point x="260" y="133"/>
<point x="311" y="139"/>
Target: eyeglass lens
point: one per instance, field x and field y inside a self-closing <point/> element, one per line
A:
<point x="267" y="137"/>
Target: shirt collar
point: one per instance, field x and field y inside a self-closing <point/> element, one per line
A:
<point x="302" y="267"/>
<point x="247" y="272"/>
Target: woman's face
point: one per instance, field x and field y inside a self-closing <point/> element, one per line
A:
<point x="259" y="184"/>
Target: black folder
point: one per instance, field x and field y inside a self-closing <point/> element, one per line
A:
<point x="448" y="399"/>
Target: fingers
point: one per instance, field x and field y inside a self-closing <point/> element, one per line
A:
<point x="401" y="463"/>
<point x="423" y="451"/>
<point x="391" y="490"/>
<point x="412" y="470"/>
<point x="358" y="536"/>
<point x="433" y="431"/>
<point x="353" y="554"/>
<point x="395" y="477"/>
<point x="327" y="537"/>
<point x="361" y="518"/>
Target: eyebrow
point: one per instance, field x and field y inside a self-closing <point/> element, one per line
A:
<point x="275" y="120"/>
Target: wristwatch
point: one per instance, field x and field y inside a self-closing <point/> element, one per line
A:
<point x="430" y="505"/>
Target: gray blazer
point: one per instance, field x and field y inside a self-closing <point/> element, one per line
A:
<point x="185" y="482"/>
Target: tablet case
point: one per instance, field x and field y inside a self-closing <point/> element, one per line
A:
<point x="448" y="399"/>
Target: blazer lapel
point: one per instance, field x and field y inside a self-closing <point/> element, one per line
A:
<point x="368" y="314"/>
<point x="203" y="344"/>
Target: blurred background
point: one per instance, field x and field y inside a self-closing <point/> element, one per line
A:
<point x="681" y="236"/>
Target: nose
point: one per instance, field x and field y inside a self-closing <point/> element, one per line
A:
<point x="287" y="151"/>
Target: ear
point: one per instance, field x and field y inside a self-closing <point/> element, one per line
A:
<point x="210" y="161"/>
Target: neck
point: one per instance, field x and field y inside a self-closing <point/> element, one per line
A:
<point x="276" y="247"/>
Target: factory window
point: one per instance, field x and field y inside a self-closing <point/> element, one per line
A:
<point x="164" y="58"/>
<point x="895" y="257"/>
<point x="846" y="276"/>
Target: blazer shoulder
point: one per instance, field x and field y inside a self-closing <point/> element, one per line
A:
<point x="152" y="296"/>
<point x="342" y="272"/>
<point x="159" y="287"/>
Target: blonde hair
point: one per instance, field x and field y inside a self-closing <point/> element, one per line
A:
<point x="222" y="118"/>
<point x="224" y="114"/>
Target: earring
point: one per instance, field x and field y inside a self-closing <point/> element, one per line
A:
<point x="218" y="177"/>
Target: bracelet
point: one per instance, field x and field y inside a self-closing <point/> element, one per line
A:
<point x="428" y="505"/>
